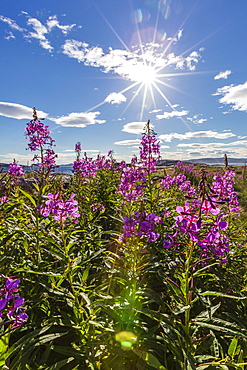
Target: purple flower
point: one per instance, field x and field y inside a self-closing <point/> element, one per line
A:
<point x="3" y="199"/>
<point x="11" y="312"/>
<point x="133" y="181"/>
<point x="59" y="208"/>
<point x="15" y="170"/>
<point x="38" y="135"/>
<point x="142" y="224"/>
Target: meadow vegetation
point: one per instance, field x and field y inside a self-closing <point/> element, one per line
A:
<point x="123" y="267"/>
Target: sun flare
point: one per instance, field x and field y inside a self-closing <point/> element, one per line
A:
<point x="145" y="74"/>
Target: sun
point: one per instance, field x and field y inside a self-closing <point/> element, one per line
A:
<point x="146" y="66"/>
<point x="146" y="74"/>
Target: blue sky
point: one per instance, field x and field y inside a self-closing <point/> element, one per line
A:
<point x="98" y="70"/>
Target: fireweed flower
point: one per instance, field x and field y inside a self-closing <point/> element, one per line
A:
<point x="149" y="151"/>
<point x="223" y="188"/>
<point x="208" y="235"/>
<point x="39" y="138"/>
<point x="215" y="241"/>
<point x="85" y="167"/>
<point x="3" y="199"/>
<point x="143" y="225"/>
<point x="187" y="222"/>
<point x="180" y="181"/>
<point x="59" y="208"/>
<point x="38" y="135"/>
<point x="133" y="181"/>
<point x="11" y="312"/>
<point x="15" y="170"/>
<point x="49" y="160"/>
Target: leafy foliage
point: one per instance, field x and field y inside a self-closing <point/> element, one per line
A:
<point x="123" y="267"/>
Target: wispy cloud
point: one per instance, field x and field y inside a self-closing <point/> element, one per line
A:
<point x="78" y="119"/>
<point x="128" y="142"/>
<point x="135" y="127"/>
<point x="18" y="111"/>
<point x="12" y="24"/>
<point x="196" y="119"/>
<point x="210" y="145"/>
<point x="115" y="98"/>
<point x="21" y="158"/>
<point x="10" y="36"/>
<point x="53" y="22"/>
<point x="39" y="33"/>
<point x="197" y="134"/>
<point x="234" y="95"/>
<point x="155" y="111"/>
<point x="223" y="75"/>
<point x="174" y="113"/>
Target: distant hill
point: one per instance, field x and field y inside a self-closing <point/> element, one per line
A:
<point x="205" y="161"/>
<point x="4" y="165"/>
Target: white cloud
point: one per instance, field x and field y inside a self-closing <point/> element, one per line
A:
<point x="197" y="134"/>
<point x="180" y="33"/>
<point x="174" y="113"/>
<point x="10" y="36"/>
<point x="18" y="111"/>
<point x="135" y="127"/>
<point x="53" y="22"/>
<point x="39" y="34"/>
<point x="223" y="75"/>
<point x="155" y="111"/>
<point x="210" y="145"/>
<point x="80" y="119"/>
<point x="180" y="62"/>
<point x="115" y="98"/>
<point x="164" y="147"/>
<point x="131" y="65"/>
<point x="40" y="31"/>
<point x="235" y="96"/>
<point x="11" y="23"/>
<point x="196" y="120"/>
<point x="128" y="142"/>
<point x="20" y="158"/>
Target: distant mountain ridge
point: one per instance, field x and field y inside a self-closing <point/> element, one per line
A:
<point x="171" y="162"/>
<point x="207" y="161"/>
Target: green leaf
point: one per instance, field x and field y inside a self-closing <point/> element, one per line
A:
<point x="60" y="364"/>
<point x="4" y="342"/>
<point x="232" y="348"/>
<point x="29" y="197"/>
<point x="220" y="328"/>
<point x="219" y="294"/>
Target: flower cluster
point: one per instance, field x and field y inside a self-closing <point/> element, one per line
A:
<point x="59" y="208"/>
<point x="39" y="136"/>
<point x="133" y="181"/>
<point x="224" y="190"/>
<point x="88" y="167"/>
<point x="208" y="235"/>
<point x="15" y="170"/>
<point x="85" y="167"/>
<point x="180" y="181"/>
<point x="11" y="312"/>
<point x="142" y="224"/>
<point x="149" y="151"/>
